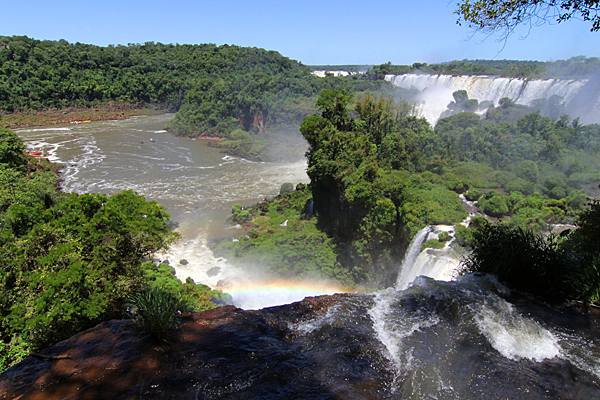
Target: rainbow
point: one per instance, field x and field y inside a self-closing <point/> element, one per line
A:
<point x="255" y="295"/>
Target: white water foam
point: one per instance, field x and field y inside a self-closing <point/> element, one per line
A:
<point x="407" y="271"/>
<point x="306" y="327"/>
<point x="202" y="266"/>
<point x="582" y="352"/>
<point x="513" y="335"/>
<point x="44" y="129"/>
<point x="391" y="332"/>
<point x="439" y="264"/>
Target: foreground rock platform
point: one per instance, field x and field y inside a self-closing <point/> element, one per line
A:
<point x="274" y="353"/>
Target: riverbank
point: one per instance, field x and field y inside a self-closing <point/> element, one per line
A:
<point x="74" y="115"/>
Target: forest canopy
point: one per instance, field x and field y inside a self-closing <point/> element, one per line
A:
<point x="579" y="67"/>
<point x="214" y="89"/>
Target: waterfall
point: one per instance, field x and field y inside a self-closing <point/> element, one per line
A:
<point x="407" y="271"/>
<point x="439" y="264"/>
<point x="436" y="92"/>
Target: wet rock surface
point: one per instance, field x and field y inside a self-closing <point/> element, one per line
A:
<point x="435" y="340"/>
<point x="296" y="351"/>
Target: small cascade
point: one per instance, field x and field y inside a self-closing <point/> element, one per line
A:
<point x="439" y="264"/>
<point x="407" y="271"/>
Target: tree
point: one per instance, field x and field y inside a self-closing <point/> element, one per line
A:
<point x="334" y="106"/>
<point x="380" y="115"/>
<point x="504" y="16"/>
<point x="11" y="149"/>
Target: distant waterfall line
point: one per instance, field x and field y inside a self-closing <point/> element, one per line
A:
<point x="580" y="96"/>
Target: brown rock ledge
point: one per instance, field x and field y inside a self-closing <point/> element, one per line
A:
<point x="222" y="353"/>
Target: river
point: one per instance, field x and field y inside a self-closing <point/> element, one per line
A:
<point x="198" y="185"/>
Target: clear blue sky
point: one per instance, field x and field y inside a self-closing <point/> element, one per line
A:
<point x="313" y="32"/>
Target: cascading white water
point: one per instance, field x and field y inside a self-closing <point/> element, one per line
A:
<point x="450" y="340"/>
<point x="439" y="264"/>
<point x="407" y="271"/>
<point x="436" y="92"/>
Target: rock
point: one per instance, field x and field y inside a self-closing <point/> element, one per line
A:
<point x="221" y="353"/>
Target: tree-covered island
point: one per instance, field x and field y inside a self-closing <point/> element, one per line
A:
<point x="378" y="175"/>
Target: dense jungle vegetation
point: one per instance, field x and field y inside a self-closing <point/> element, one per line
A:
<point x="349" y="67"/>
<point x="69" y="261"/>
<point x="379" y="175"/>
<point x="214" y="89"/>
<point x="39" y="74"/>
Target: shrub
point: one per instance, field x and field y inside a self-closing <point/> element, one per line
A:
<point x="239" y="215"/>
<point x="520" y="185"/>
<point x="239" y="134"/>
<point x="464" y="235"/>
<point x="199" y="297"/>
<point x="586" y="239"/>
<point x="520" y="258"/>
<point x="13" y="352"/>
<point x="478" y="221"/>
<point x="242" y="217"/>
<point x="161" y="276"/>
<point x="557" y="192"/>
<point x="473" y="194"/>
<point x="444" y="237"/>
<point x="196" y="297"/>
<point x="433" y="244"/>
<point x="527" y="170"/>
<point x="577" y="200"/>
<point x="552" y="267"/>
<point x="156" y="312"/>
<point x="494" y="205"/>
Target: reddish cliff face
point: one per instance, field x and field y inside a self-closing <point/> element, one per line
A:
<point x="253" y="121"/>
<point x="259" y="122"/>
<point x="276" y="353"/>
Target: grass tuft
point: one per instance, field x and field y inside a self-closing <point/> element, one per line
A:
<point x="156" y="311"/>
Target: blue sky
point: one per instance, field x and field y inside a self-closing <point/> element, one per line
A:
<point x="313" y="32"/>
